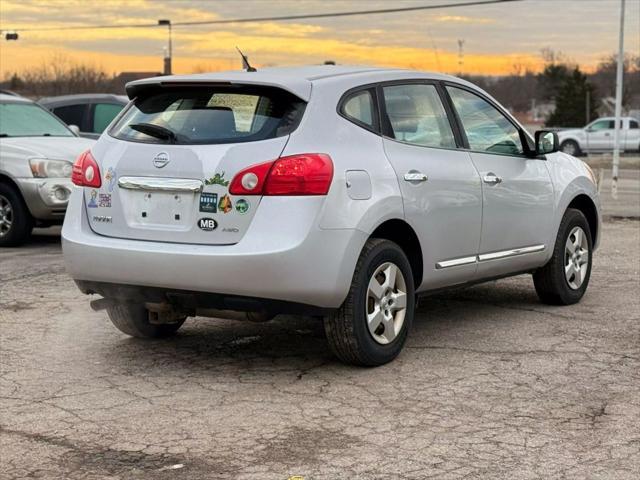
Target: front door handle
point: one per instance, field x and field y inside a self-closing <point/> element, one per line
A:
<point x="492" y="178"/>
<point x="416" y="177"/>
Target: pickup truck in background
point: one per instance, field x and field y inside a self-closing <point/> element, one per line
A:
<point x="598" y="136"/>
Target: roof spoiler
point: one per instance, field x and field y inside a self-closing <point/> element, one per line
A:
<point x="300" y="88"/>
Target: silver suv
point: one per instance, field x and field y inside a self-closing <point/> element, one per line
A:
<point x="37" y="152"/>
<point x="333" y="191"/>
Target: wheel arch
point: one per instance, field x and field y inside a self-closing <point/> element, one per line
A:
<point x="585" y="204"/>
<point x="401" y="233"/>
<point x="9" y="181"/>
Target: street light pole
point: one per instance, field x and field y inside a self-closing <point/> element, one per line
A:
<point x="618" y="110"/>
<point x="168" y="58"/>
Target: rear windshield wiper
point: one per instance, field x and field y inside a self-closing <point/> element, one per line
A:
<point x="156" y="131"/>
<point x="4" y="135"/>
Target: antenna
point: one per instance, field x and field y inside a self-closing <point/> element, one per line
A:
<point x="245" y="62"/>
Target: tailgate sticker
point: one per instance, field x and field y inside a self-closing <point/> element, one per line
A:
<point x="225" y="205"/>
<point x="207" y="224"/>
<point x="242" y="206"/>
<point x="217" y="179"/>
<point x="110" y="178"/>
<point x="92" y="203"/>
<point x="104" y="200"/>
<point x="209" y="202"/>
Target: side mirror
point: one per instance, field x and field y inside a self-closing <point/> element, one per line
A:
<point x="75" y="129"/>
<point x="546" y="142"/>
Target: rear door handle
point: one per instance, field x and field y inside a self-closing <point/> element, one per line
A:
<point x="415" y="177"/>
<point x="492" y="178"/>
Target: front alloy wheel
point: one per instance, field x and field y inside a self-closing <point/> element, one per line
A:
<point x="16" y="222"/>
<point x="576" y="258"/>
<point x="6" y="216"/>
<point x="570" y="148"/>
<point x="371" y="326"/>
<point x="564" y="279"/>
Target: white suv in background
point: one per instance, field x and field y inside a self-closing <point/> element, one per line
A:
<point x="333" y="191"/>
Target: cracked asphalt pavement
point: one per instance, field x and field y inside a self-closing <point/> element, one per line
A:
<point x="492" y="384"/>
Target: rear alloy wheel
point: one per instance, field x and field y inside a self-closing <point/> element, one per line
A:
<point x="16" y="222"/>
<point x="564" y="279"/>
<point x="371" y="326"/>
<point x="570" y="147"/>
<point x="133" y="319"/>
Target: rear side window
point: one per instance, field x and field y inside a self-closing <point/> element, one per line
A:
<point x="416" y="115"/>
<point x="359" y="107"/>
<point x="71" y="114"/>
<point x="209" y="115"/>
<point x="633" y="124"/>
<point x="103" y="114"/>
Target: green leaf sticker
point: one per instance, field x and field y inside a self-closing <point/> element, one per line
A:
<point x="217" y="179"/>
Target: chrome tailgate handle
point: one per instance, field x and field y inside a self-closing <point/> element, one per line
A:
<point x="492" y="178"/>
<point x="415" y="177"/>
<point x="161" y="184"/>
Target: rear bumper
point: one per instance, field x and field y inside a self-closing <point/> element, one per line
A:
<point x="283" y="256"/>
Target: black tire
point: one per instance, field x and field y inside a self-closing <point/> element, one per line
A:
<point x="347" y="331"/>
<point x="550" y="281"/>
<point x="133" y="319"/>
<point x="571" y="143"/>
<point x="21" y="219"/>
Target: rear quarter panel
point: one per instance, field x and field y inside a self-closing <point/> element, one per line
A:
<point x="351" y="147"/>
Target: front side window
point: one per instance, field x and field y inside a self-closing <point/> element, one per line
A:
<point x="487" y="129"/>
<point x="209" y="115"/>
<point x="601" y="125"/>
<point x="30" y="120"/>
<point x="103" y="114"/>
<point x="416" y="115"/>
<point x="359" y="107"/>
<point x="633" y="125"/>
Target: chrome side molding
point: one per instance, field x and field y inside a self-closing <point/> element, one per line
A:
<point x="510" y="253"/>
<point x="456" y="262"/>
<point x="161" y="184"/>
<point x="485" y="257"/>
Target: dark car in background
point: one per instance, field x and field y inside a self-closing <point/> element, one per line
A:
<point x="91" y="112"/>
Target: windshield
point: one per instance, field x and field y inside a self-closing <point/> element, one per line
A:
<point x="209" y="115"/>
<point x="29" y="120"/>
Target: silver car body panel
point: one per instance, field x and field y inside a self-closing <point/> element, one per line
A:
<point x="305" y="249"/>
<point x="15" y="153"/>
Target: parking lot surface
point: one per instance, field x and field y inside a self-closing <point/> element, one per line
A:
<point x="492" y="384"/>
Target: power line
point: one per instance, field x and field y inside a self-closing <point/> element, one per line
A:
<point x="271" y="19"/>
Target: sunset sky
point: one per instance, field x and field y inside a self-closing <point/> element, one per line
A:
<point x="497" y="37"/>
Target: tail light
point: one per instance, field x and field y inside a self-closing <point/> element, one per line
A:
<point x="85" y="171"/>
<point x="303" y="174"/>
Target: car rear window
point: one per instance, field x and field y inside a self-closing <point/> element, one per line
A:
<point x="209" y="115"/>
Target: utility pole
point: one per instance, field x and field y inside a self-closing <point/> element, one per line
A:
<point x="169" y="51"/>
<point x="618" y="111"/>
<point x="460" y="56"/>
